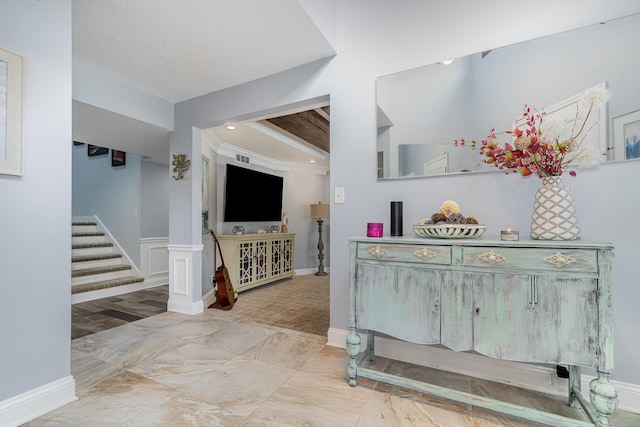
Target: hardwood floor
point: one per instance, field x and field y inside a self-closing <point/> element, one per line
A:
<point x="300" y="304"/>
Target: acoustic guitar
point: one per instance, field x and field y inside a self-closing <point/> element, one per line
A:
<point x="226" y="296"/>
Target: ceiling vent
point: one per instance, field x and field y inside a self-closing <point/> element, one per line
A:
<point x="242" y="159"/>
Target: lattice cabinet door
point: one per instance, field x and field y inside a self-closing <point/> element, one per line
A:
<point x="287" y="255"/>
<point x="246" y="262"/>
<point x="276" y="257"/>
<point x="261" y="257"/>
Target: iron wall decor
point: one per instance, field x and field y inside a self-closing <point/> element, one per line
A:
<point x="180" y="165"/>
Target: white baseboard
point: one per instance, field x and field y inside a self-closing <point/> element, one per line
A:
<point x="185" y="307"/>
<point x="32" y="404"/>
<point x="538" y="378"/>
<point x="209" y="298"/>
<point x="309" y="271"/>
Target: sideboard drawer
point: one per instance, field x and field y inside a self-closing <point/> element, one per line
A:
<point x="405" y="253"/>
<point x="578" y="260"/>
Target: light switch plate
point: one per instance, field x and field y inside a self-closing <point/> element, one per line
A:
<point x="339" y="195"/>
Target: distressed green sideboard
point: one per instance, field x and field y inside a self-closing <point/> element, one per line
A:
<point x="526" y="301"/>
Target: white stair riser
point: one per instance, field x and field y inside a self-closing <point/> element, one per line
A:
<point x="86" y="240"/>
<point x="96" y="263"/>
<point x="92" y="251"/>
<point x="100" y="277"/>
<point x="84" y="229"/>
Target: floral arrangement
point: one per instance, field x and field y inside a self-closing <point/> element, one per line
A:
<point x="539" y="146"/>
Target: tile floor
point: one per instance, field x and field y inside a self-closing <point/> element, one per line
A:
<point x="244" y="368"/>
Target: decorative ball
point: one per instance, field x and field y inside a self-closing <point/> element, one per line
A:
<point x="424" y="221"/>
<point x="438" y="217"/>
<point x="449" y="207"/>
<point x="456" y="218"/>
<point x="472" y="220"/>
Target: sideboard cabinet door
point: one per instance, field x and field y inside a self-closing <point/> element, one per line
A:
<point x="399" y="301"/>
<point x="536" y="318"/>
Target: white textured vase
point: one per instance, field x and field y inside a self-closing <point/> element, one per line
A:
<point x="554" y="215"/>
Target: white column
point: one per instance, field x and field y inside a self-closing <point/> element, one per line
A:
<point x="182" y="295"/>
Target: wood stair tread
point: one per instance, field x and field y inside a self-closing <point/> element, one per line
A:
<point x="88" y="234"/>
<point x="99" y="270"/>
<point x="104" y="284"/>
<point x="84" y="223"/>
<point x="84" y="258"/>
<point x="92" y="245"/>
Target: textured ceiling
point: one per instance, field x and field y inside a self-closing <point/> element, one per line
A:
<point x="178" y="50"/>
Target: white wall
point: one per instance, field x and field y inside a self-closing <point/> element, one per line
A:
<point x="376" y="38"/>
<point x="35" y="230"/>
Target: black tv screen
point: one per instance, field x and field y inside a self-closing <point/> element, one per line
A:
<point x="252" y="196"/>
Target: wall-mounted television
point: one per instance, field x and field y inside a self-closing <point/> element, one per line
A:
<point x="251" y="196"/>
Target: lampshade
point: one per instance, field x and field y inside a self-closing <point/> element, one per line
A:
<point x="319" y="210"/>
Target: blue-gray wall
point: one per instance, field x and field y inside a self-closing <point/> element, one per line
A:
<point x="35" y="225"/>
<point x="111" y="193"/>
<point x="154" y="200"/>
<point x="375" y="38"/>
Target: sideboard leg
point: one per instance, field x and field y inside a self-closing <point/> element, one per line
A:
<point x="603" y="397"/>
<point x="353" y="349"/>
<point x="575" y="386"/>
<point x="371" y="336"/>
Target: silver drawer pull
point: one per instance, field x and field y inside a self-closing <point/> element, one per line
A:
<point x="559" y="260"/>
<point x="377" y="251"/>
<point x="425" y="254"/>
<point x="491" y="257"/>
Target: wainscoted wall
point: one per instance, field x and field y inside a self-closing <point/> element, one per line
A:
<point x="154" y="260"/>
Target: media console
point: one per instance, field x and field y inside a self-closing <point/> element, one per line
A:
<point x="256" y="259"/>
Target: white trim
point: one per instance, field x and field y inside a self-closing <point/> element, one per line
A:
<point x="184" y="307"/>
<point x="181" y="297"/>
<point x="34" y="403"/>
<point x="208" y="298"/>
<point x="154" y="260"/>
<point x="537" y="378"/>
<point x="227" y="150"/>
<point x="309" y="271"/>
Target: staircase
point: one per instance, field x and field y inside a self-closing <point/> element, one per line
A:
<point x="97" y="269"/>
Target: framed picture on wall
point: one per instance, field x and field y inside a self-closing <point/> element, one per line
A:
<point x="94" y="150"/>
<point x="118" y="158"/>
<point x="626" y="136"/>
<point x="11" y="76"/>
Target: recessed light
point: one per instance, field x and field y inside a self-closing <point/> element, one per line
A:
<point x="231" y="127"/>
<point x="448" y="61"/>
<point x="312" y="161"/>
